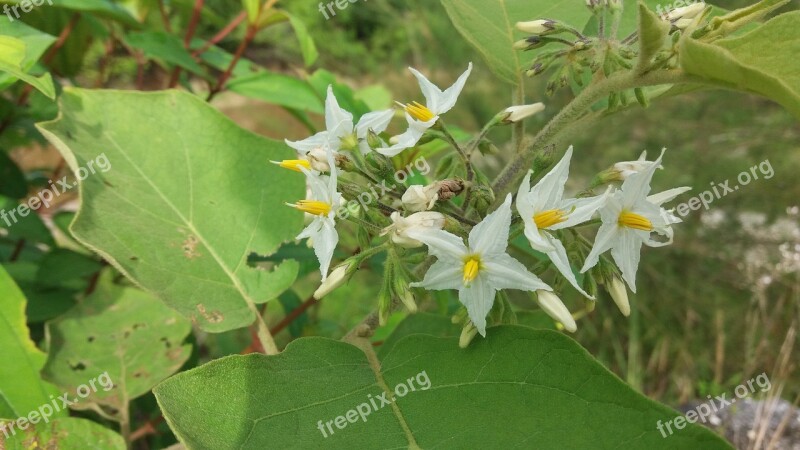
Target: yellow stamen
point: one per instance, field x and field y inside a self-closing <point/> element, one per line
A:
<point x="293" y="164"/>
<point x="635" y="221"/>
<point x="313" y="207"/>
<point x="420" y="112"/>
<point x="547" y="219"/>
<point x="472" y="265"/>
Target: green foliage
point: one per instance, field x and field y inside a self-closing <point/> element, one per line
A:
<point x="177" y="202"/>
<point x="518" y="385"/>
<point x="754" y="62"/>
<point x="66" y="434"/>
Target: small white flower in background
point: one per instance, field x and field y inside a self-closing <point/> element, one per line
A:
<point x="540" y="27"/>
<point x="322" y="205"/>
<point x="544" y="210"/>
<point x="421" y="117"/>
<point x="477" y="270"/>
<point x="515" y="114"/>
<point x="420" y="198"/>
<point x="686" y="12"/>
<point x="555" y="308"/>
<point x="620" y="296"/>
<point x="341" y="132"/>
<point x="337" y="277"/>
<point x="628" y="168"/>
<point x="421" y="221"/>
<point x="629" y="218"/>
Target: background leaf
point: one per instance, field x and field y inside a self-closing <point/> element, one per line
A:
<point x="21" y="388"/>
<point x="168" y="213"/>
<point x="65" y="434"/>
<point x="517" y="388"/>
<point x="755" y="62"/>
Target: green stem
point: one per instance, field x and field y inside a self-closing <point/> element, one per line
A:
<point x="575" y="110"/>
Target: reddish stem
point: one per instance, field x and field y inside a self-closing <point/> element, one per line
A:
<point x="248" y="38"/>
<point x="222" y="34"/>
<point x="187" y="40"/>
<point x="293" y="315"/>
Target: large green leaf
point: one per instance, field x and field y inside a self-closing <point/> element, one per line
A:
<point x="518" y="388"/>
<point x="188" y="197"/>
<point x="64" y="434"/>
<point x="36" y="42"/>
<point x="13" y="56"/>
<point x="124" y="332"/>
<point x="21" y="388"/>
<point x="756" y="62"/>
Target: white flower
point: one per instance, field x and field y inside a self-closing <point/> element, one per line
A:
<point x="540" y="27"/>
<point x="686" y="12"/>
<point x="341" y="132"/>
<point x="516" y="113"/>
<point x="337" y="277"/>
<point x="629" y="218"/>
<point x="420" y="117"/>
<point x="620" y="296"/>
<point x="418" y="221"/>
<point x="544" y="210"/>
<point x="555" y="308"/>
<point x="477" y="270"/>
<point x="322" y="205"/>
<point x="628" y="168"/>
<point x="420" y="198"/>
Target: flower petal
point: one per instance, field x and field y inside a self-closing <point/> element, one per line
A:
<point x="430" y="91"/>
<point x="561" y="261"/>
<point x="667" y="196"/>
<point x="607" y="237"/>
<point x="448" y="98"/>
<point x="478" y="298"/>
<point x="582" y="209"/>
<point x="306" y="145"/>
<point x="490" y="236"/>
<point x="324" y="238"/>
<point x="335" y="116"/>
<point x="505" y="272"/>
<point x="378" y="121"/>
<point x="627" y="254"/>
<point x="637" y="186"/>
<point x="441" y="244"/>
<point x="442" y="275"/>
<point x="549" y="190"/>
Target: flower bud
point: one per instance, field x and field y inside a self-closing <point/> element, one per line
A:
<point x="448" y="189"/>
<point x="336" y="278"/>
<point x="318" y="158"/>
<point x="622" y="170"/>
<point x="468" y="333"/>
<point x="514" y="114"/>
<point x="427" y="220"/>
<point x="555" y="308"/>
<point x="407" y="297"/>
<point x="540" y="27"/>
<point x="530" y="43"/>
<point x="420" y="198"/>
<point x="686" y="12"/>
<point x="619" y="293"/>
<point x="373" y="140"/>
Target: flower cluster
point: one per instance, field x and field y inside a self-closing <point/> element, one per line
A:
<point x="472" y="256"/>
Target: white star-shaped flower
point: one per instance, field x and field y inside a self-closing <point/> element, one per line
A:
<point x="322" y="205"/>
<point x="477" y="270"/>
<point x="421" y="117"/>
<point x="629" y="219"/>
<point x="544" y="210"/>
<point x="341" y="131"/>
